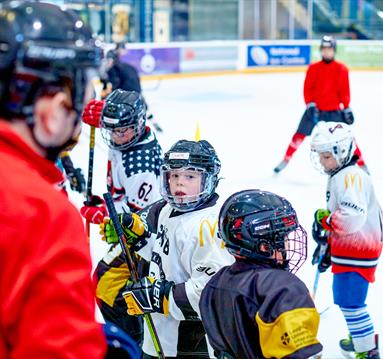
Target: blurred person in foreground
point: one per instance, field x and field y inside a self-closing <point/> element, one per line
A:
<point x="47" y="305"/>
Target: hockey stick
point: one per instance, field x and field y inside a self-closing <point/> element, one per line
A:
<point x="97" y="85"/>
<point x="92" y="141"/>
<point x="154" y="87"/>
<point x="322" y="253"/>
<point x="132" y="268"/>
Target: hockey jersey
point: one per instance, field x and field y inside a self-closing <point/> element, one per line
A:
<point x="255" y="311"/>
<point x="184" y="249"/>
<point x="356" y="220"/>
<point x="133" y="173"/>
<point x="327" y="85"/>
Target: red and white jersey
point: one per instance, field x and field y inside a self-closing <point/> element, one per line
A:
<point x="356" y="219"/>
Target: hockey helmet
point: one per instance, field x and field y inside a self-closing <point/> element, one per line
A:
<point x="328" y="42"/>
<point x="195" y="156"/>
<point x="333" y="137"/>
<point x="38" y="56"/>
<point x="263" y="227"/>
<point x="123" y="111"/>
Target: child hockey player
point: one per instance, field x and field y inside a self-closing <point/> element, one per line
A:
<point x="135" y="156"/>
<point x="182" y="247"/>
<point x="327" y="98"/>
<point x="256" y="308"/>
<point x="134" y="164"/>
<point x="353" y="221"/>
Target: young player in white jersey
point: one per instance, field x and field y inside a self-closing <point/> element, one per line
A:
<point x="134" y="164"/>
<point x="353" y="225"/>
<point x="135" y="155"/>
<point x="182" y="246"/>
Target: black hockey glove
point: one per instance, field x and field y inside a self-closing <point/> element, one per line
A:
<point x="77" y="180"/>
<point x="322" y="257"/>
<point x="148" y="295"/>
<point x="312" y="112"/>
<point x="74" y="175"/>
<point x="348" y="116"/>
<point x="133" y="227"/>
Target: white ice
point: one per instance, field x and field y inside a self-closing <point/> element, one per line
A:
<point x="250" y="119"/>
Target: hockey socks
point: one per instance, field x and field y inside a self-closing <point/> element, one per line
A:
<point x="295" y="142"/>
<point x="361" y="328"/>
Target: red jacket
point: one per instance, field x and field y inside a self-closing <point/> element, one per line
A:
<point x="327" y="85"/>
<point x="47" y="307"/>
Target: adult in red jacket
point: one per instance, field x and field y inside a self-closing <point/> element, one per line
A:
<point x="47" y="297"/>
<point x="327" y="97"/>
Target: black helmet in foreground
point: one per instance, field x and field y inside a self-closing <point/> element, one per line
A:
<point x="263" y="227"/>
<point x="43" y="49"/>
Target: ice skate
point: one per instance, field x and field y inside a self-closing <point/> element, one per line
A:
<point x="347" y="347"/>
<point x="281" y="166"/>
<point x="348" y="350"/>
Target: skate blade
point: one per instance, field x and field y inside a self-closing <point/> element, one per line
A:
<point x="348" y="355"/>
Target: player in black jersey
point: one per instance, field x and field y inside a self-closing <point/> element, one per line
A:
<point x="257" y="307"/>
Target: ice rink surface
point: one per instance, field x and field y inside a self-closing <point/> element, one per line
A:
<point x="250" y="119"/>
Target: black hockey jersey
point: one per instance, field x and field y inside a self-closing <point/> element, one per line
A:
<point x="253" y="311"/>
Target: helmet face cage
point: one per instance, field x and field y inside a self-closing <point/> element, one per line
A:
<point x="186" y="203"/>
<point x="271" y="236"/>
<point x="137" y="128"/>
<point x="123" y="111"/>
<point x="336" y="139"/>
<point x="190" y="155"/>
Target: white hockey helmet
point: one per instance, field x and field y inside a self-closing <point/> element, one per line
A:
<point x="333" y="137"/>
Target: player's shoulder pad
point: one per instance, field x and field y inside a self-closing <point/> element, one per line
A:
<point x="150" y="214"/>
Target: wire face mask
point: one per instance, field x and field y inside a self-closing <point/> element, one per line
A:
<point x="185" y="188"/>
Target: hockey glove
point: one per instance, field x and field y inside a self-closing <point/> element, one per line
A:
<point x="348" y="116"/>
<point x="92" y="113"/>
<point x="312" y="112"/>
<point x="77" y="180"/>
<point x="322" y="257"/>
<point x="320" y="226"/>
<point x="322" y="217"/>
<point x="148" y="295"/>
<point x="133" y="227"/>
<point x="94" y="210"/>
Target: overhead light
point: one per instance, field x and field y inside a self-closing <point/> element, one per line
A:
<point x="380" y="13"/>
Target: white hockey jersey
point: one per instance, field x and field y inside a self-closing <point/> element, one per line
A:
<point x="356" y="220"/>
<point x="133" y="174"/>
<point x="185" y="250"/>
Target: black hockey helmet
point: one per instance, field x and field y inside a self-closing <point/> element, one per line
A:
<point x="190" y="155"/>
<point x="43" y="48"/>
<point x="263" y="227"/>
<point x="328" y="41"/>
<point x="123" y="110"/>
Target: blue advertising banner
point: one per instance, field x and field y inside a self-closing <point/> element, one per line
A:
<point x="278" y="55"/>
<point x="153" y="61"/>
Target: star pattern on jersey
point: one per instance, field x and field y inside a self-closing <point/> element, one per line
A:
<point x="143" y="158"/>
